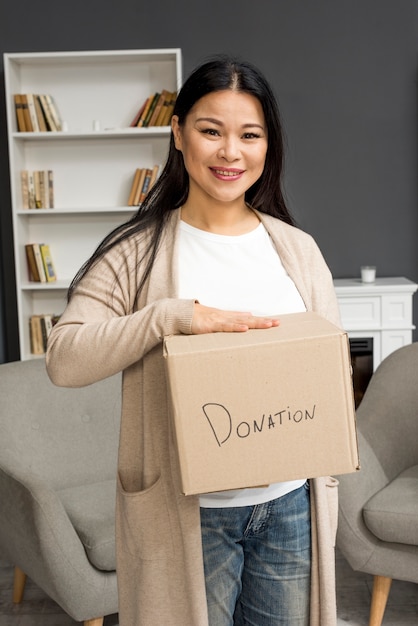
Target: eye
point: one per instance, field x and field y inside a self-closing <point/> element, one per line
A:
<point x="251" y="136"/>
<point x="213" y="132"/>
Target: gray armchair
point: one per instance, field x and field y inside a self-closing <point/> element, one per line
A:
<point x="58" y="457"/>
<point x="378" y="510"/>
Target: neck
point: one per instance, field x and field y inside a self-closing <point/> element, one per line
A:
<point x="220" y="219"/>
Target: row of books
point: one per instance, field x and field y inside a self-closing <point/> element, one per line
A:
<point x="40" y="266"/>
<point x="37" y="189"/>
<point x="143" y="180"/>
<point x="40" y="327"/>
<point x="156" y="110"/>
<point x="36" y="113"/>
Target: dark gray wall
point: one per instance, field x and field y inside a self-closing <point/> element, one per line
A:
<point x="345" y="72"/>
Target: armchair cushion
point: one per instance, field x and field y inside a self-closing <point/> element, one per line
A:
<point x="91" y="509"/>
<point x="392" y="513"/>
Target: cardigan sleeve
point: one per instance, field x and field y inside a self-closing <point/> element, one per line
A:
<point x="102" y="332"/>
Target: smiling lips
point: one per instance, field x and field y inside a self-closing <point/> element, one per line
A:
<point x="229" y="173"/>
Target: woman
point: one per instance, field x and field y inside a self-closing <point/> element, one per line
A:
<point x="213" y="248"/>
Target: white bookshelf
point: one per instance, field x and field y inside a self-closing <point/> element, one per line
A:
<point x="93" y="169"/>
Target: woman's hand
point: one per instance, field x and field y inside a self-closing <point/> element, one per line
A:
<point x="208" y="320"/>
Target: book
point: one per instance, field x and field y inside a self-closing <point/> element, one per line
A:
<point x="32" y="265"/>
<point x="138" y="114"/>
<point x="31" y="190"/>
<point x="145" y="184"/>
<point x="40" y="327"/>
<point x="151" y="109"/>
<point x="169" y="110"/>
<point x="40" y="114"/>
<point x="54" y="112"/>
<point x="139" y="187"/>
<point x="24" y="183"/>
<point x="43" y="184"/>
<point x="32" y="112"/>
<point x="37" y="187"/>
<point x="134" y="186"/>
<point x="47" y="263"/>
<point x="39" y="262"/>
<point x="163" y="110"/>
<point x="35" y="333"/>
<point x="50" y="176"/>
<point x="20" y="117"/>
<point x="43" y="100"/>
<point x="46" y="327"/>
<point x="163" y="97"/>
<point x="145" y="110"/>
<point x="26" y="114"/>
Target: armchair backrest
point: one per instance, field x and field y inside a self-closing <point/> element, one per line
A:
<point x="63" y="436"/>
<point x="388" y="414"/>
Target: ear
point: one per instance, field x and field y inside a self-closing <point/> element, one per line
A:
<point x="175" y="127"/>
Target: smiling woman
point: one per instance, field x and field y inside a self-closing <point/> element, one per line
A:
<point x="212" y="249"/>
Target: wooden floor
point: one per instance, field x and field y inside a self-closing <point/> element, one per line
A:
<point x="353" y="597"/>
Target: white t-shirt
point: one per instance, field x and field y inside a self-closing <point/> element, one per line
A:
<point x="237" y="273"/>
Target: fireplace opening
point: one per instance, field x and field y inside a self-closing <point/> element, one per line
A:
<point x="361" y="350"/>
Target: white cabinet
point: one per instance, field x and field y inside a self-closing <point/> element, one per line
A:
<point x="93" y="160"/>
<point x="381" y="310"/>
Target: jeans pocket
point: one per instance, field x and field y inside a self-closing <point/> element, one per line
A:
<point x="144" y="523"/>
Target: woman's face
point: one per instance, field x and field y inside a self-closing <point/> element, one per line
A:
<point x="224" y="146"/>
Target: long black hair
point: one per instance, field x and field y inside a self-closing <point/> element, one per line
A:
<point x="171" y="190"/>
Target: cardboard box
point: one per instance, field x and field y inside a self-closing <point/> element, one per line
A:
<point x="264" y="406"/>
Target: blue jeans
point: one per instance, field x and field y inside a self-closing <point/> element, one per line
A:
<point x="257" y="562"/>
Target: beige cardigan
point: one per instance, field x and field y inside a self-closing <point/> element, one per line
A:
<point x="101" y="332"/>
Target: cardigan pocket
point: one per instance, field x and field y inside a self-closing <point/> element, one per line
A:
<point x="144" y="522"/>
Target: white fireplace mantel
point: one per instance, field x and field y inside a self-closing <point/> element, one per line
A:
<point x="381" y="310"/>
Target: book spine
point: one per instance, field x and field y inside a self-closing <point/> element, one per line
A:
<point x="42" y="189"/>
<point x="145" y="185"/>
<point x="35" y="331"/>
<point x="54" y="112"/>
<point x="20" y="117"/>
<point x="32" y="113"/>
<point x="39" y="262"/>
<point x="151" y="109"/>
<point x="39" y="114"/>
<point x="138" y="114"/>
<point x="24" y="183"/>
<point x="157" y="109"/>
<point x="31" y="191"/>
<point x="139" y="188"/>
<point x="48" y="265"/>
<point x="26" y="114"/>
<point x="134" y="186"/>
<point x="169" y="111"/>
<point x="37" y="187"/>
<point x="32" y="265"/>
<point x="50" y="176"/>
<point x="145" y="111"/>
<point x="47" y="113"/>
<point x="46" y="327"/>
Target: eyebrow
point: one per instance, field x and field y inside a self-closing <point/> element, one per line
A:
<point x="218" y="123"/>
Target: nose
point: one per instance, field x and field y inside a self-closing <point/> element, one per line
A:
<point x="229" y="149"/>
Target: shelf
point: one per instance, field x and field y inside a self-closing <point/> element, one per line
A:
<point x="76" y="210"/>
<point x="126" y="133"/>
<point x="93" y="170"/>
<point x="53" y="286"/>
